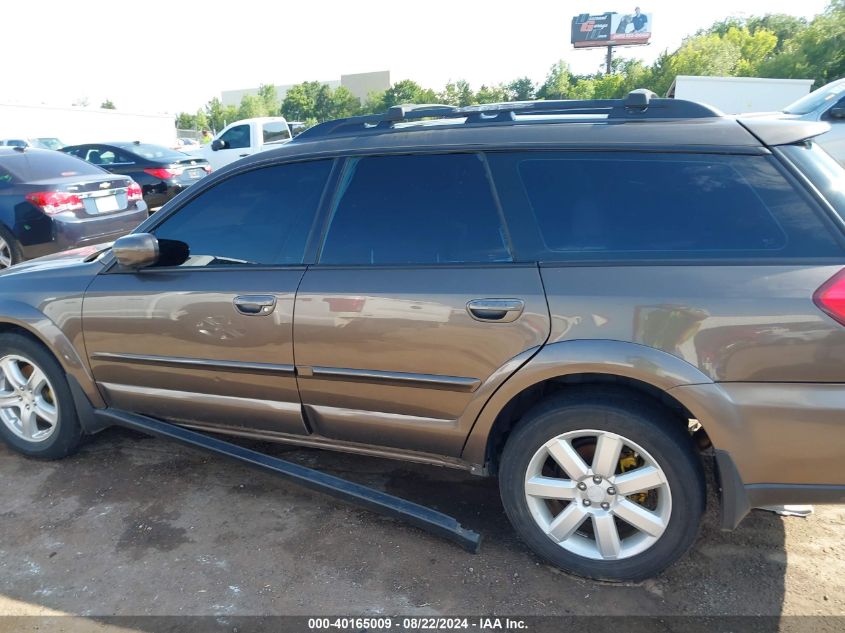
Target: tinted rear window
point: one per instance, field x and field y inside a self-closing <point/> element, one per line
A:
<point x="429" y="209"/>
<point x="276" y="132"/>
<point x="153" y="152"/>
<point x="33" y="165"/>
<point x="646" y="206"/>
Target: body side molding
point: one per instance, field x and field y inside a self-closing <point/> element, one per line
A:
<point x="198" y="363"/>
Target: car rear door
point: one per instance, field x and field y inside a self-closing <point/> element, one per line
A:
<point x="206" y="337"/>
<point x="415" y="308"/>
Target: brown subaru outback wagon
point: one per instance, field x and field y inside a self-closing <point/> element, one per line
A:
<point x="584" y="299"/>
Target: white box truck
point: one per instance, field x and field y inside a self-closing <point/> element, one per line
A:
<point x="733" y="95"/>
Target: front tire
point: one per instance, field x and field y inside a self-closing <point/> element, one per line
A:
<point x="603" y="484"/>
<point x="37" y="413"/>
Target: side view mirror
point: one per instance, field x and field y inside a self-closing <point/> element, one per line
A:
<point x="218" y="144"/>
<point x="837" y="111"/>
<point x="137" y="250"/>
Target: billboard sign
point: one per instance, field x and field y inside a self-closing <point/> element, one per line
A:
<point x="611" y="29"/>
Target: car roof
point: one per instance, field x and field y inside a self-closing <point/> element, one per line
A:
<point x="261" y="119"/>
<point x="699" y="134"/>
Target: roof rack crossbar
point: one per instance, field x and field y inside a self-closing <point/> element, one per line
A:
<point x="639" y="104"/>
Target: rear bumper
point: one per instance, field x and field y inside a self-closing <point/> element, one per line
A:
<point x="73" y="232"/>
<point x="738" y="499"/>
<point x="776" y="443"/>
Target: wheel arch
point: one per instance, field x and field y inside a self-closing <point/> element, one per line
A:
<point x="631" y="365"/>
<point x="635" y="368"/>
<point x="21" y="318"/>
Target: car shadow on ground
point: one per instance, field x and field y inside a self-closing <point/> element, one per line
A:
<point x="136" y="526"/>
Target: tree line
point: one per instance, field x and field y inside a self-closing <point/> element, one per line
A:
<point x="774" y="45"/>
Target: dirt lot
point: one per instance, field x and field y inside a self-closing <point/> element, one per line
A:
<point x="134" y="525"/>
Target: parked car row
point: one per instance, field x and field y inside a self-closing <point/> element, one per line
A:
<point x="50" y="202"/>
<point x="82" y="194"/>
<point x="160" y="171"/>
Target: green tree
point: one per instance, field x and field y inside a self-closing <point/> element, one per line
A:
<point x="785" y="27"/>
<point x="817" y="51"/>
<point x="215" y="114"/>
<point x="323" y="103"/>
<point x="251" y="106"/>
<point x="272" y="104"/>
<point x="186" y="121"/>
<point x="458" y="93"/>
<point x="754" y="48"/>
<point x="344" y="103"/>
<point x="491" y="94"/>
<point x="407" y="91"/>
<point x="558" y="82"/>
<point x="107" y="105"/>
<point x="522" y="89"/>
<point x="374" y="103"/>
<point x="201" y="121"/>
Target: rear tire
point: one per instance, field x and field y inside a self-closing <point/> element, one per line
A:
<point x="571" y="513"/>
<point x="37" y="413"/>
<point x="10" y="250"/>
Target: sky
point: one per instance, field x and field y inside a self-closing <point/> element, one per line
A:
<point x="171" y="56"/>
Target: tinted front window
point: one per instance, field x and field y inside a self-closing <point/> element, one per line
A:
<point x="236" y="137"/>
<point x="276" y="132"/>
<point x="593" y="206"/>
<point x="428" y="209"/>
<point x="261" y="217"/>
<point x="33" y="165"/>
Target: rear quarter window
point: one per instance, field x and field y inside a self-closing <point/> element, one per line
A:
<point x="650" y="206"/>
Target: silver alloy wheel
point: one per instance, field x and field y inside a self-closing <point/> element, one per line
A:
<point x="562" y="502"/>
<point x="5" y="254"/>
<point x="27" y="403"/>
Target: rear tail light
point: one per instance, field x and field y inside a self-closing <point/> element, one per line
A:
<point x="164" y="173"/>
<point x="830" y="297"/>
<point x="133" y="192"/>
<point x="53" y="202"/>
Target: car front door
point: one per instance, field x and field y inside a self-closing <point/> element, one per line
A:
<point x="237" y="142"/>
<point x="205" y="337"/>
<point x="410" y="318"/>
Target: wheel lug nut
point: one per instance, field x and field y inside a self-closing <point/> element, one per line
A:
<point x="582" y="486"/>
<point x="611" y="491"/>
<point x="587" y="502"/>
<point x="605" y="506"/>
<point x="596" y="479"/>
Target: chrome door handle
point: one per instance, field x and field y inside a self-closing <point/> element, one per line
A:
<point x="499" y="310"/>
<point x="255" y="305"/>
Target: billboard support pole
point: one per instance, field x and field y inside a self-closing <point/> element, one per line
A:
<point x="609" y="59"/>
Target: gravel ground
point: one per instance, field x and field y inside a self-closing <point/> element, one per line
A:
<point x="139" y="526"/>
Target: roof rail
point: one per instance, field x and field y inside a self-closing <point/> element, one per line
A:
<point x="640" y="104"/>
